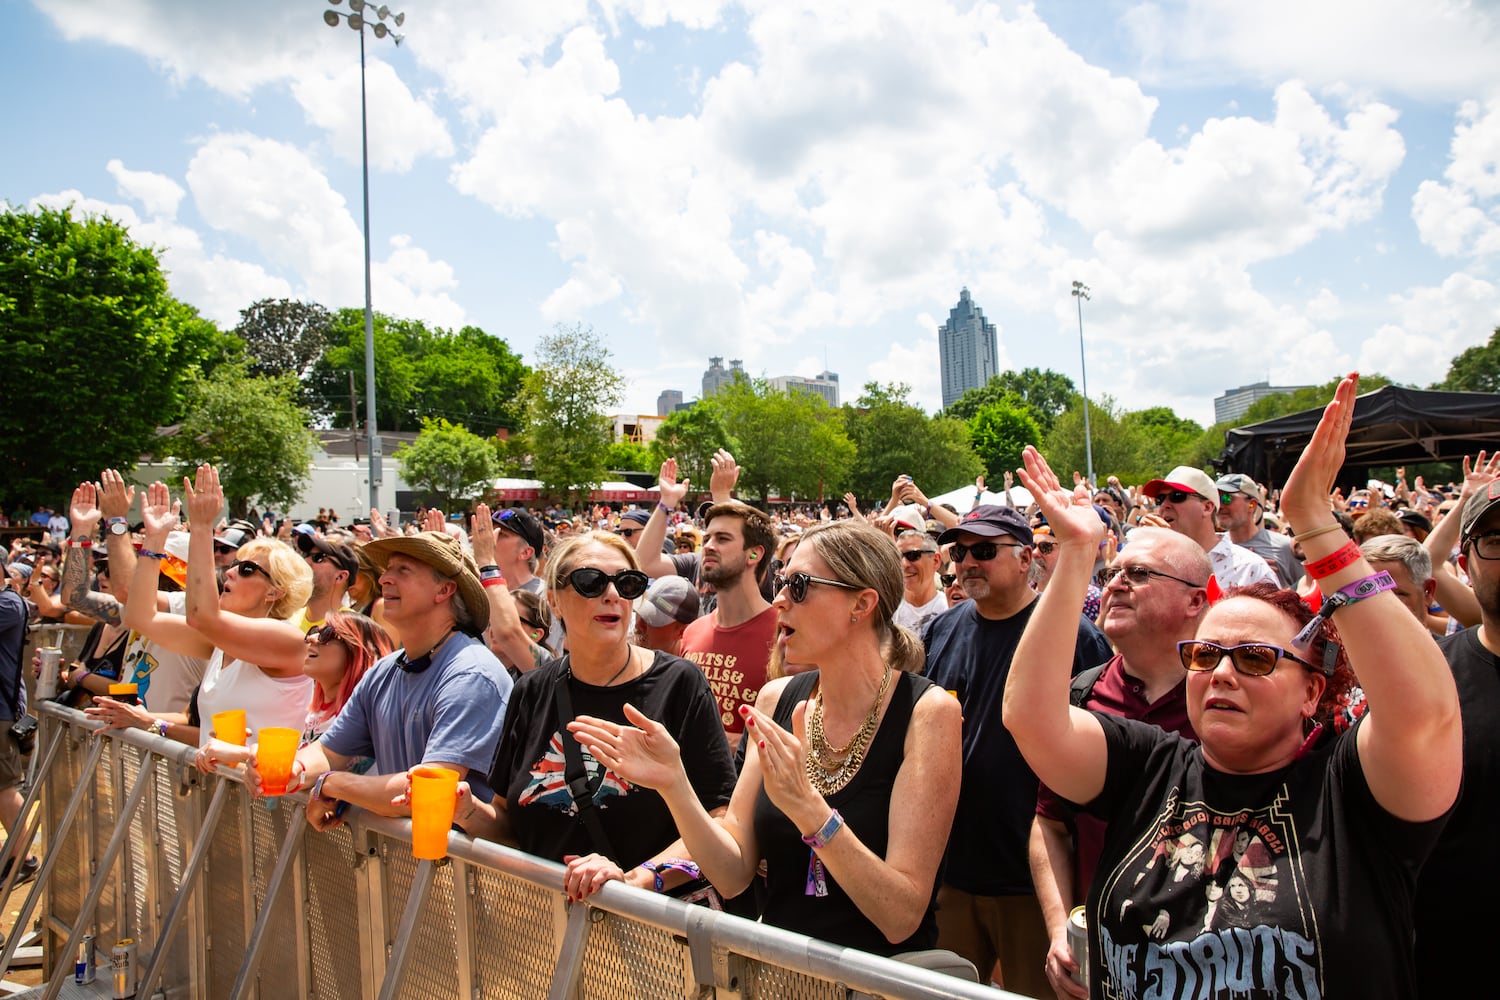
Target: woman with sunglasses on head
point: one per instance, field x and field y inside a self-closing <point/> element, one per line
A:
<point x="255" y="654"/>
<point x="614" y="825"/>
<point x="1328" y="831"/>
<point x="849" y="792"/>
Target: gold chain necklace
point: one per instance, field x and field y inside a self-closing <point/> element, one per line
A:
<point x="830" y="768"/>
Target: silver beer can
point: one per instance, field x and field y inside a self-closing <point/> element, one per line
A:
<point x="1078" y="944"/>
<point x="46" y="681"/>
<point x="122" y="968"/>
<point x="83" y="967"/>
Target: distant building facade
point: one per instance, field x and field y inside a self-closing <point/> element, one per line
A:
<point x="668" y="401"/>
<point x="717" y="376"/>
<point x="826" y="385"/>
<point x="967" y="349"/>
<point x="639" y="428"/>
<point x="1234" y="403"/>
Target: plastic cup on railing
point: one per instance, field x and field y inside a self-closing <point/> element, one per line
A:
<point x="229" y="726"/>
<point x="126" y="693"/>
<point x="434" y="795"/>
<point x="275" y="749"/>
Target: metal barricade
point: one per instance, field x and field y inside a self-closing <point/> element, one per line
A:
<point x="229" y="896"/>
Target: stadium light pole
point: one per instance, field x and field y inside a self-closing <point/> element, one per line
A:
<point x="358" y="19"/>
<point x="1081" y="292"/>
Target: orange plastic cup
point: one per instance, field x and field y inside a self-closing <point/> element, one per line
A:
<point x="275" y="749"/>
<point x="434" y="796"/>
<point x="229" y="726"/>
<point x="128" y="693"/>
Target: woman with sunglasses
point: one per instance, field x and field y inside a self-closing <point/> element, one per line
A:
<point x="1339" y="825"/>
<point x="612" y="826"/>
<point x="255" y="655"/>
<point x="849" y="793"/>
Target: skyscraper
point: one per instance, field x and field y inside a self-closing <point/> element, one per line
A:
<point x="825" y="385"/>
<point x="718" y="376"/>
<point x="966" y="349"/>
<point x="668" y="401"/>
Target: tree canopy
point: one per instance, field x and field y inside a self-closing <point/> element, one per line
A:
<point x="1045" y="393"/>
<point x="692" y="436"/>
<point x="253" y="430"/>
<point x="790" y="444"/>
<point x="566" y="397"/>
<point x="447" y="462"/>
<point x="97" y="353"/>
<point x="284" y="336"/>
<point x="1000" y="431"/>
<point x="1475" y="370"/>
<point x="892" y="437"/>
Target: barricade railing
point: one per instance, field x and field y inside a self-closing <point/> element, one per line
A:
<point x="230" y="896"/>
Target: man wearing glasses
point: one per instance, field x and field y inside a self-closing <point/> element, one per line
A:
<point x="1453" y="890"/>
<point x="921" y="598"/>
<point x="1155" y="594"/>
<point x="987" y="906"/>
<point x="1188" y="501"/>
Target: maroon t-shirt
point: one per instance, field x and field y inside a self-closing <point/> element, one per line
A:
<point x="733" y="659"/>
<point x="1116" y="693"/>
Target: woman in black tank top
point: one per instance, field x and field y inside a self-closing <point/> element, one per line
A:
<point x="849" y="792"/>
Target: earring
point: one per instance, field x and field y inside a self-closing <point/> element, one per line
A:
<point x="854" y="618"/>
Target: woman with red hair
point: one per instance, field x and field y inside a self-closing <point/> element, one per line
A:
<point x="338" y="654"/>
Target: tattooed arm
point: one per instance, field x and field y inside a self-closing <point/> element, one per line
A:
<point x="75" y="591"/>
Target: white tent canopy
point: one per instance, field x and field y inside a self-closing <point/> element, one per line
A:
<point x="963" y="501"/>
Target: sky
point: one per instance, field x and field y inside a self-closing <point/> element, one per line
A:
<point x="1274" y="190"/>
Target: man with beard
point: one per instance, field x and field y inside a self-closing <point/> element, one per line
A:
<point x="987" y="906"/>
<point x="732" y="643"/>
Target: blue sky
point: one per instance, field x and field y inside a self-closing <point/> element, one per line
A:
<point x="1282" y="190"/>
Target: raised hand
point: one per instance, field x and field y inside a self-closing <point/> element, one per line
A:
<point x="1304" y="498"/>
<point x="781" y="765"/>
<point x="726" y="473"/>
<point x="83" y="511"/>
<point x="1070" y="513"/>
<point x="672" y="492"/>
<point x="482" y="535"/>
<point x="115" y="498"/>
<point x="850" y="502"/>
<point x="205" y="497"/>
<point x="1479" y="474"/>
<point x="159" y="512"/>
<point x="434" y="521"/>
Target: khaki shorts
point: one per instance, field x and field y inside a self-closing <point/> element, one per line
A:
<point x="990" y="929"/>
<point x="12" y="766"/>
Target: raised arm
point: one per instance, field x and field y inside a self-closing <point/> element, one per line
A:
<point x="277" y="647"/>
<point x="648" y="549"/>
<point x="508" y="638"/>
<point x="1051" y="854"/>
<point x="942" y="515"/>
<point x="84" y="513"/>
<point x="159" y="517"/>
<point x="1411" y="741"/>
<point x="1064" y="745"/>
<point x="723" y="478"/>
<point x="1457" y="599"/>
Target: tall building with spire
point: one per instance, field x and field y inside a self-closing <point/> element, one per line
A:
<point x="718" y="376"/>
<point x="967" y="349"/>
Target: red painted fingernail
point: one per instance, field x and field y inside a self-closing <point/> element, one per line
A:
<point x="749" y="721"/>
<point x="762" y="744"/>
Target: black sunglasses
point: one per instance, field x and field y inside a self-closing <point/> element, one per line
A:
<point x="248" y="567"/>
<point x="590" y="582"/>
<point x="529" y="623"/>
<point x="1045" y="547"/>
<point x="1136" y="576"/>
<point x="981" y="551"/>
<point x="1178" y="496"/>
<point x="1253" y="659"/>
<point x="916" y="554"/>
<point x="948" y="579"/>
<point x="317" y="557"/>
<point x="628" y="532"/>
<point x="796" y="585"/>
<point x="323" y="635"/>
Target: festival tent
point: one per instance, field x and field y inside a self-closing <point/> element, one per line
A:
<point x="1392" y="426"/>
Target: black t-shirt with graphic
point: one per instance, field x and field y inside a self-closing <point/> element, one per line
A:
<point x="529" y="763"/>
<point x="1290" y="884"/>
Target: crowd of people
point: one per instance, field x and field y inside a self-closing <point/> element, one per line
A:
<point x="1245" y="736"/>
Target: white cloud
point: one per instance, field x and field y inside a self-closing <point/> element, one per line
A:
<point x="157" y="193"/>
<point x="1435" y="324"/>
<point x="1461" y="215"/>
<point x="401" y="127"/>
<point x="1438" y="49"/>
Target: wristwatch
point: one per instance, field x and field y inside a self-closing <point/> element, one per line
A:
<point x="118" y="526"/>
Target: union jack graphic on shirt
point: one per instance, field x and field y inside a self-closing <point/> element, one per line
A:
<point x="549" y="786"/>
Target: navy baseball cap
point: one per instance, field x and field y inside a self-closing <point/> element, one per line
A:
<point x="991" y="521"/>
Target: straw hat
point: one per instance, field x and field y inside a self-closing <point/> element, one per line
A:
<point x="443" y="553"/>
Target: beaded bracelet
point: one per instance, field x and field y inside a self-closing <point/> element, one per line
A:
<point x="147" y="553"/>
<point x="1315" y="532"/>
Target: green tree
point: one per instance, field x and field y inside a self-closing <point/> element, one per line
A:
<point x="1044" y="392"/>
<point x="892" y="436"/>
<point x="1475" y="370"/>
<point x="468" y="377"/>
<point x="566" y="397"/>
<point x="1118" y="449"/>
<point x="447" y="461"/>
<point x="1000" y="431"/>
<point x="253" y="430"/>
<point x="628" y="456"/>
<point x="284" y="336"/>
<point x="1164" y="439"/>
<point x="790" y="444"/>
<point x="97" y="353"/>
<point x="692" y="436"/>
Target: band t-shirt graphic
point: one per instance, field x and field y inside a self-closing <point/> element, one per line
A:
<point x="1292" y="884"/>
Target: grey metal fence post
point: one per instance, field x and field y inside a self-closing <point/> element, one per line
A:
<point x="291" y="846"/>
<point x="421" y="888"/>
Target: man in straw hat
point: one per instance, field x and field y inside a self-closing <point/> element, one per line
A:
<point x="440" y="700"/>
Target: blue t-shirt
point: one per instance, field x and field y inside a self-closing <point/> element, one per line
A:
<point x="449" y="713"/>
<point x="970" y="655"/>
<point x="12" y="642"/>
